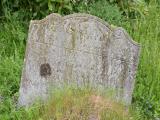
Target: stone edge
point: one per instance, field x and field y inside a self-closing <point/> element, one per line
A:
<point x="90" y="17"/>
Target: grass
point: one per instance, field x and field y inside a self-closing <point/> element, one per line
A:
<point x="70" y="103"/>
<point x="147" y="32"/>
<point x="146" y="97"/>
<point x="12" y="44"/>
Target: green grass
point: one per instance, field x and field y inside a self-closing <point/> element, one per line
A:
<point x="147" y="32"/>
<point x="12" y="44"/>
<point x="146" y="97"/>
<point x="70" y="103"/>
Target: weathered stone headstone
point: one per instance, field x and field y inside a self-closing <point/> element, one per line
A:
<point x="77" y="49"/>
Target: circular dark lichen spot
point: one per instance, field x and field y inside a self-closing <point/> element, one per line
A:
<point x="45" y="70"/>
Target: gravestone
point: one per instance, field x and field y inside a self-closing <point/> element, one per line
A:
<point x="78" y="49"/>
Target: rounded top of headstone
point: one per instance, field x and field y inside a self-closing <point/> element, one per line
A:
<point x="119" y="31"/>
<point x="116" y="30"/>
<point x="75" y="15"/>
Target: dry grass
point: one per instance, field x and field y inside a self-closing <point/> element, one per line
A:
<point x="83" y="105"/>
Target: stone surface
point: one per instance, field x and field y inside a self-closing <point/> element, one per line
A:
<point x="77" y="49"/>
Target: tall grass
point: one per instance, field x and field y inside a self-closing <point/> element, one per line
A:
<point x="12" y="44"/>
<point x="147" y="89"/>
<point x="70" y="103"/>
